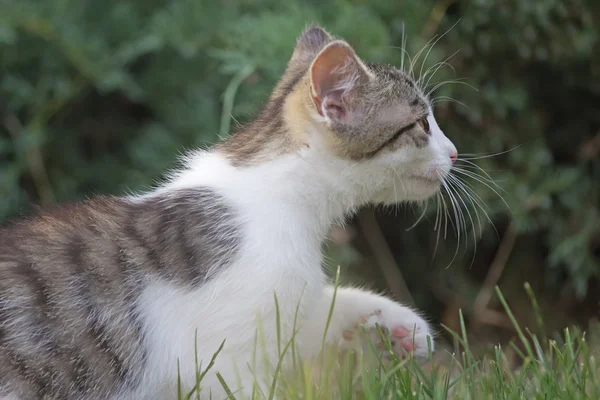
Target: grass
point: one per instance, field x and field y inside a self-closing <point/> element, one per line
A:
<point x="562" y="368"/>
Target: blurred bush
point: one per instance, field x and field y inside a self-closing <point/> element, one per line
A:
<point x="101" y="96"/>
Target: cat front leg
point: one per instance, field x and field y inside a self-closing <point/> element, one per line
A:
<point x="357" y="312"/>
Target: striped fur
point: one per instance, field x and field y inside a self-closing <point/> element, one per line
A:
<point x="71" y="281"/>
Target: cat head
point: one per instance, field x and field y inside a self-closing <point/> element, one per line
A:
<point x="372" y="119"/>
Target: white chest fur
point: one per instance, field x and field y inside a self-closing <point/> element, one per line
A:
<point x="280" y="255"/>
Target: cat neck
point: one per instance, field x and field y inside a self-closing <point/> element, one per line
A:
<point x="307" y="190"/>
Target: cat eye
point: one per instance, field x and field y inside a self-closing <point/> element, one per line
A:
<point x="424" y="124"/>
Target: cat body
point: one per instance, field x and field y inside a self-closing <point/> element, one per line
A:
<point x="108" y="298"/>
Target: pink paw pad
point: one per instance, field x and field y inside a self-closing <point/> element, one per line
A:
<point x="400" y="332"/>
<point x="408" y="346"/>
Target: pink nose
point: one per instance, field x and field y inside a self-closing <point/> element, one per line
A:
<point x="453" y="156"/>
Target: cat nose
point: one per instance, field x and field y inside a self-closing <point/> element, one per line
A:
<point x="453" y="156"/>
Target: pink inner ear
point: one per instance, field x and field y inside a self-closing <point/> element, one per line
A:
<point x="332" y="75"/>
<point x="332" y="67"/>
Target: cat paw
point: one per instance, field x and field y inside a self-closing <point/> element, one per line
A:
<point x="405" y="332"/>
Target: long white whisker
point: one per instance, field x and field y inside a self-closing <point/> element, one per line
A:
<point x="416" y="58"/>
<point x="477" y="202"/>
<point x="447" y="216"/>
<point x="420" y="218"/>
<point x="478" y="157"/>
<point x="450" y="81"/>
<point x="457" y="216"/>
<point x="480" y="202"/>
<point x="395" y="194"/>
<point x="435" y="226"/>
<point x="459" y="184"/>
<point x="437" y="211"/>
<point x="437" y="66"/>
<point x="431" y="48"/>
<point x="403" y="48"/>
<point x="458" y="212"/>
<point x="404" y="53"/>
<point x="474" y="174"/>
<point x="400" y="180"/>
<point x="440" y="99"/>
<point x="452" y="186"/>
<point x="478" y="179"/>
<point x="433" y="69"/>
<point x="477" y="167"/>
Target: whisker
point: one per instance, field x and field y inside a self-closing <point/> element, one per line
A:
<point x="473" y="174"/>
<point x="400" y="180"/>
<point x="452" y="186"/>
<point x="437" y="66"/>
<point x="403" y="41"/>
<point x="447" y="216"/>
<point x="437" y="211"/>
<point x="441" y="99"/>
<point x="461" y="216"/>
<point x="395" y="194"/>
<point x="431" y="48"/>
<point x="461" y="186"/>
<point x="404" y="53"/>
<point x="478" y="179"/>
<point x="435" y="226"/>
<point x="480" y="202"/>
<point x="458" y="220"/>
<point x="418" y="220"/>
<point x="458" y="185"/>
<point x="479" y="157"/>
<point x="416" y="58"/>
<point x="450" y="81"/>
<point x="433" y="69"/>
<point x="477" y="167"/>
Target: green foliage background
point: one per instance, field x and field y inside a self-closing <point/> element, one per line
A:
<point x="102" y="96"/>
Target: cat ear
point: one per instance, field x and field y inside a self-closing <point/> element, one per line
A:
<point x="336" y="76"/>
<point x="310" y="42"/>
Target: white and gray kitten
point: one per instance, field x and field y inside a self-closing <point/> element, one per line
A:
<point x="102" y="299"/>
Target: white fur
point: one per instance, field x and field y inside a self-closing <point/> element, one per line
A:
<point x="286" y="207"/>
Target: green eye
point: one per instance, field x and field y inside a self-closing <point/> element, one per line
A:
<point x="424" y="124"/>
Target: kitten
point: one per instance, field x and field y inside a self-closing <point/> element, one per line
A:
<point x="102" y="299"/>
